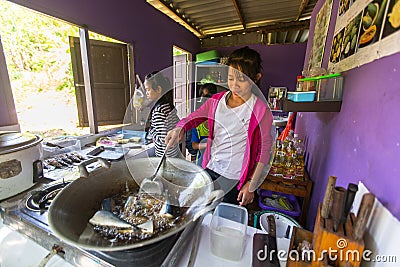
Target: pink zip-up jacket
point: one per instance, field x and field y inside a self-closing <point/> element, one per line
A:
<point x="259" y="139"/>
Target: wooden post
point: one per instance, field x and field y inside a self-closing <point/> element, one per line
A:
<point x="88" y="80"/>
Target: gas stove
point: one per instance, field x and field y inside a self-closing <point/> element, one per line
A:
<point x="27" y="214"/>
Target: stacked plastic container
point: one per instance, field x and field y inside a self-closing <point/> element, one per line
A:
<point x="266" y="194"/>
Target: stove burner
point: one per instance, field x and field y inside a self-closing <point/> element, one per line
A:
<point x="32" y="221"/>
<point x="40" y="200"/>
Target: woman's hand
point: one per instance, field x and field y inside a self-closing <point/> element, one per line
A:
<point x="245" y="196"/>
<point x="174" y="136"/>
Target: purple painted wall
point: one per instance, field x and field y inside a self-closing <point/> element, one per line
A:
<point x="152" y="32"/>
<point x="281" y="63"/>
<point x="362" y="141"/>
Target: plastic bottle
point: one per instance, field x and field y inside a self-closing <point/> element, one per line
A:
<point x="138" y="98"/>
<point x="295" y="139"/>
<point x="289" y="137"/>
<point x="138" y="95"/>
<point x="290" y="161"/>
<point x="276" y="167"/>
<point x="299" y="85"/>
<point x="300" y="152"/>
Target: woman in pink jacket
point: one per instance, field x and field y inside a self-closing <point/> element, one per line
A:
<point x="240" y="138"/>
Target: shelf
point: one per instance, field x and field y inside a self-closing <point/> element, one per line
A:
<point x="224" y="84"/>
<point x="211" y="71"/>
<point x="316" y="106"/>
<point x="210" y="65"/>
<point x="299" y="187"/>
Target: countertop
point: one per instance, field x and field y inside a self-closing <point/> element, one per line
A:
<point x="72" y="173"/>
<point x="204" y="256"/>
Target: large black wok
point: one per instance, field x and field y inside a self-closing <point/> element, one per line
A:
<point x="72" y="208"/>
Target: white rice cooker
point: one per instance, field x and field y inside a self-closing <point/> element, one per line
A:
<point x="20" y="164"/>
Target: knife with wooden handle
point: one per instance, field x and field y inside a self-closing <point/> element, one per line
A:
<point x="336" y="211"/>
<point x="272" y="246"/>
<point x="265" y="250"/>
<point x="363" y="214"/>
<point x="351" y="193"/>
<point x="328" y="197"/>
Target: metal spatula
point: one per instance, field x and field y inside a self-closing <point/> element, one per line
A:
<point x="153" y="185"/>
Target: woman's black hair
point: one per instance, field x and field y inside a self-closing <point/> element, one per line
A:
<point x="156" y="79"/>
<point x="247" y="61"/>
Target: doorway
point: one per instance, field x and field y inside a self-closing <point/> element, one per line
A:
<point x="183" y="89"/>
<point x="182" y="77"/>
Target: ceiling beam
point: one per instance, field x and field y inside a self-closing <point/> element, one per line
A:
<point x="284" y="26"/>
<point x="239" y="13"/>
<point x="180" y="16"/>
<point x="302" y="7"/>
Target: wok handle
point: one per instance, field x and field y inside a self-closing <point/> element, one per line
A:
<point x="213" y="201"/>
<point x="83" y="170"/>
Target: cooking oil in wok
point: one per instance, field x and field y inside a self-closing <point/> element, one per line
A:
<point x="133" y="217"/>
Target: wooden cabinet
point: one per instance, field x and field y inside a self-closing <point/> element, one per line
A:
<point x="297" y="187"/>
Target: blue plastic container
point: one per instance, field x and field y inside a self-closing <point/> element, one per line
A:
<point x="301" y="96"/>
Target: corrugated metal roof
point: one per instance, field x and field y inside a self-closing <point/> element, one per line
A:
<point x="238" y="22"/>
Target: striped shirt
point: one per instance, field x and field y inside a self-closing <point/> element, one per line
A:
<point x="163" y="119"/>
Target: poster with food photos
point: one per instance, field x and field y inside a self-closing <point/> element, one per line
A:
<point x="365" y="31"/>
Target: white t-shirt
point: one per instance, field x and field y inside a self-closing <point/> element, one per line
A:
<point x="230" y="137"/>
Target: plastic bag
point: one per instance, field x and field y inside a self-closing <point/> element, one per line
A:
<point x="139" y="95"/>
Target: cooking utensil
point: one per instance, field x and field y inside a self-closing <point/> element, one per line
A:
<point x="153" y="185"/>
<point x="351" y="193"/>
<point x="336" y="212"/>
<point x="95" y="151"/>
<point x="287" y="234"/>
<point x="326" y="203"/>
<point x="264" y="246"/>
<point x="272" y="240"/>
<point x="363" y="214"/>
<point x="20" y="163"/>
<point x="15" y="140"/>
<point x="70" y="211"/>
<point x="49" y="144"/>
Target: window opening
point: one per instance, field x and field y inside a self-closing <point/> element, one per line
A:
<point x="37" y="53"/>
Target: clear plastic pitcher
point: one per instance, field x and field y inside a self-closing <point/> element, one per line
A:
<point x="228" y="231"/>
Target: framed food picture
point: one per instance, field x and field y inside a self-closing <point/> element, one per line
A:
<point x="372" y="20"/>
<point x="365" y="30"/>
<point x="350" y="37"/>
<point x="337" y="44"/>
<point x="392" y="23"/>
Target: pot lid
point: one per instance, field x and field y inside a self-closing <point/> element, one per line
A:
<point x="15" y="139"/>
